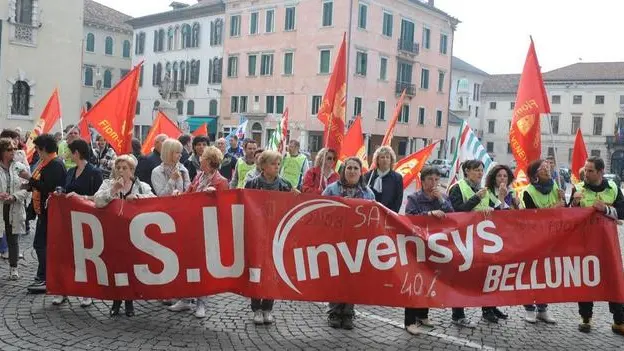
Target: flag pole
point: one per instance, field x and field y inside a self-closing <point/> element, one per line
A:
<point x="552" y="143"/>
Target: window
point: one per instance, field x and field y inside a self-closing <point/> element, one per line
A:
<point x="108" y="79"/>
<point x="357" y="106"/>
<point x="576" y="124"/>
<point x="512" y="105"/>
<point x="186" y="36"/>
<point x="555" y="99"/>
<point x="139" y="48"/>
<point x="20" y="98"/>
<point x="270" y="104"/>
<point x="234" y="104"/>
<point x="235" y="24"/>
<point x="213" y="107"/>
<point x="426" y="40"/>
<point x="577" y="99"/>
<point x="251" y="65"/>
<point x="315" y="142"/>
<point x="360" y="63"/>
<point x="108" y="47"/>
<point x="424" y="78"/>
<point x="438" y="118"/>
<point x="141" y="76"/>
<point x="279" y="104"/>
<point x="551" y="151"/>
<point x="492" y="105"/>
<point x="324" y="61"/>
<point x="233" y="66"/>
<point x="190" y="107"/>
<point x="288" y="63"/>
<point x="289" y="20"/>
<point x="269" y="21"/>
<point x="195" y="72"/>
<point x="387" y="24"/>
<point x="554" y="121"/>
<point x="621" y="99"/>
<point x="509" y="148"/>
<point x="253" y="23"/>
<point x="215" y="71"/>
<point x="126" y="49"/>
<point x="598" y="124"/>
<point x="266" y="65"/>
<point x="476" y="92"/>
<point x="490" y="146"/>
<point x="443" y="43"/>
<point x="491" y="127"/>
<point x="316" y="103"/>
<point x="476" y="111"/>
<point x="383" y="68"/>
<point x="123" y="72"/>
<point x="88" y="76"/>
<point x="421" y="116"/>
<point x="381" y="110"/>
<point x="180" y="107"/>
<point x="595" y="153"/>
<point x="161" y="40"/>
<point x="242" y="107"/>
<point x="137" y="109"/>
<point x="328" y="9"/>
<point x="90" y="43"/>
<point x="404" y="117"/>
<point x="440" y="81"/>
<point x="363" y="10"/>
<point x="600" y="100"/>
<point x="216" y="32"/>
<point x="24" y="11"/>
<point x="195" y="36"/>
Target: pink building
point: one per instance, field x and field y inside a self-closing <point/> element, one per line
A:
<point x="280" y="54"/>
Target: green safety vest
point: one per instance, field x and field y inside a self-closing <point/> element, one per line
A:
<point x="467" y="193"/>
<point x="242" y="168"/>
<point x="65" y="153"/>
<point x="292" y="169"/>
<point x="494" y="199"/>
<point x="543" y="201"/>
<point x="607" y="196"/>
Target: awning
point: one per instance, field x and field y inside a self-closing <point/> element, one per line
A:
<point x="195" y="122"/>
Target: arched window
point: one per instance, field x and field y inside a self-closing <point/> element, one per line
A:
<point x="170" y="39"/>
<point x="137" y="111"/>
<point x="20" y="98"/>
<point x="183" y="71"/>
<point x="195" y="36"/>
<point x="186" y="36"/>
<point x="126" y="48"/>
<point x="90" y="42"/>
<point x="88" y="76"/>
<point x="159" y="73"/>
<point x="24" y="11"/>
<point x="108" y="79"/>
<point x="174" y="79"/>
<point x="218" y="38"/>
<point x="168" y="67"/>
<point x="190" y="107"/>
<point x="177" y="37"/>
<point x="213" y="108"/>
<point x="161" y="40"/>
<point x="108" y="48"/>
<point x="187" y="77"/>
<point x="180" y="106"/>
<point x="194" y="72"/>
<point x="141" y="43"/>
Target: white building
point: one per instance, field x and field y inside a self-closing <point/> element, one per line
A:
<point x="185" y="47"/>
<point x="40" y="50"/>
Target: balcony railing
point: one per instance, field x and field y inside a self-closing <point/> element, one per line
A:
<point x="614" y="140"/>
<point x="409" y="47"/>
<point x="410" y="89"/>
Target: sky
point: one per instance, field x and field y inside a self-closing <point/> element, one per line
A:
<point x="494" y="34"/>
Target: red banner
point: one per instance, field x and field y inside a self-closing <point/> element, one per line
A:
<point x="304" y="247"/>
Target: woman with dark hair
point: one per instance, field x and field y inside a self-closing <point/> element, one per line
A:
<point x="20" y="154"/>
<point x="84" y="180"/>
<point x="104" y="156"/>
<point x="49" y="174"/>
<point x="351" y="185"/>
<point x="498" y="182"/>
<point x="543" y="192"/>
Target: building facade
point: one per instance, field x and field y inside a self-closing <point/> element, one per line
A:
<point x="280" y="54"/>
<point x="182" y="51"/>
<point x="107" y="49"/>
<point x="40" y="50"/>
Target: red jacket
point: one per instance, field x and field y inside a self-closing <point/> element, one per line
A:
<point x="312" y="180"/>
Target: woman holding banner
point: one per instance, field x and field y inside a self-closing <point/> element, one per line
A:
<point x="122" y="185"/>
<point x="351" y="185"/>
<point x="498" y="182"/>
<point x="317" y="178"/>
<point x="466" y="196"/>
<point x="386" y="184"/>
<point x="543" y="192"/>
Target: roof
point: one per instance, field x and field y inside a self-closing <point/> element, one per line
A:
<point x="501" y="84"/>
<point x="201" y="9"/>
<point x="459" y="64"/>
<point x="98" y="14"/>
<point x="425" y="4"/>
<point x="588" y="71"/>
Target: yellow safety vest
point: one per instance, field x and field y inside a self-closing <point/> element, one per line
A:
<point x="242" y="168"/>
<point x="292" y="168"/>
<point x="608" y="195"/>
<point x="543" y="201"/>
<point x="467" y="193"/>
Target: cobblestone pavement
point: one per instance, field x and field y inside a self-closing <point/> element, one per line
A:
<point x="31" y="322"/>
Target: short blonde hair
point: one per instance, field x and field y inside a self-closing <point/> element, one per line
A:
<point x="169" y="146"/>
<point x="128" y="159"/>
<point x="269" y="156"/>
<point x="320" y="156"/>
<point x="213" y="156"/>
<point x="385" y="150"/>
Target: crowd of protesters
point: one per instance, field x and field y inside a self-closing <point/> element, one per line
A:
<point x="71" y="166"/>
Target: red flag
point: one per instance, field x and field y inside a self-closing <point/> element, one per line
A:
<point x="201" y="131"/>
<point x="50" y="115"/>
<point x="579" y="156"/>
<point x="531" y="101"/>
<point x="354" y="143"/>
<point x="410" y="166"/>
<point x="113" y="115"/>
<point x="162" y="125"/>
<point x="284" y="128"/>
<point x="397" y="112"/>
<point x="83" y="125"/>
<point x="332" y="111"/>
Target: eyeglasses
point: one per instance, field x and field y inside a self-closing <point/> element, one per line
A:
<point x="329" y="158"/>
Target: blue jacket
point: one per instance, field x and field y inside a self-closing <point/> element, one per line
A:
<point x="336" y="189"/>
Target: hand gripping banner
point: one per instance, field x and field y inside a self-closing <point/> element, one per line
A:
<point x="284" y="246"/>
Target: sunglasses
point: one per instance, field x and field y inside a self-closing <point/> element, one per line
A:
<point x="11" y="149"/>
<point x="329" y="158"/>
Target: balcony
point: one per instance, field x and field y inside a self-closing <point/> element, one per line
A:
<point x="409" y="47"/>
<point x="410" y="89"/>
<point x="614" y="140"/>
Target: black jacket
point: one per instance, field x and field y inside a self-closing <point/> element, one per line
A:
<point x="53" y="175"/>
<point x="190" y="166"/>
<point x="458" y="203"/>
<point x="392" y="186"/>
<point x="87" y="183"/>
<point x="145" y="167"/>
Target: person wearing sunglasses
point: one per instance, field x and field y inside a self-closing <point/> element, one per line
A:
<point x="317" y="178"/>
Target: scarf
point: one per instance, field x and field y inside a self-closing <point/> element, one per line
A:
<point x="544" y="188"/>
<point x="266" y="185"/>
<point x="202" y="182"/>
<point x="378" y="186"/>
<point x="36" y="194"/>
<point x="352" y="191"/>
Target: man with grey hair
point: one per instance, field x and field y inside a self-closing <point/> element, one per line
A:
<point x="147" y="164"/>
<point x="229" y="160"/>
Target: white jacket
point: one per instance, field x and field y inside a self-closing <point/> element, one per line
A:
<point x="17" y="216"/>
<point x="104" y="195"/>
<point x="165" y="186"/>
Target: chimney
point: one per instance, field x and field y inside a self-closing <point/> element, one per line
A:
<point x="177" y="5"/>
<point x="431" y="3"/>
